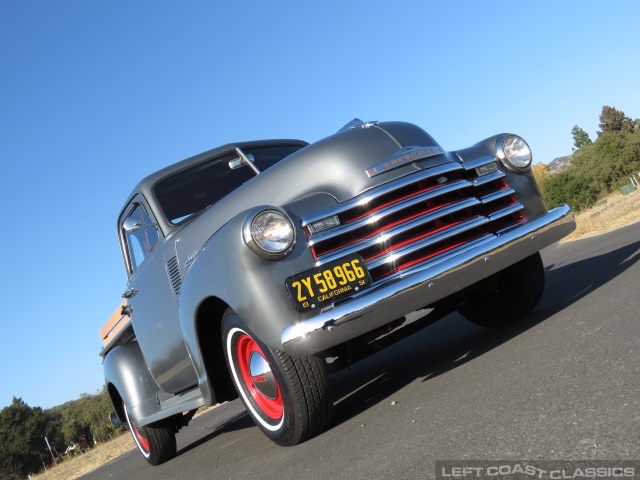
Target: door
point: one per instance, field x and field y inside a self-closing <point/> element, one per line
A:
<point x="153" y="308"/>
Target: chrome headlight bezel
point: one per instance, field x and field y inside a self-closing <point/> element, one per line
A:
<point x="259" y="244"/>
<point x="514" y="153"/>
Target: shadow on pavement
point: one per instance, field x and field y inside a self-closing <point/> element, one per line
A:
<point x="453" y="341"/>
<point x="237" y="422"/>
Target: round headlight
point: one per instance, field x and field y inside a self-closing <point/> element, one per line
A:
<point x="515" y="153"/>
<point x="271" y="232"/>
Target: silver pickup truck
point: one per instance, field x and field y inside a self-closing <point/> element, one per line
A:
<point x="258" y="268"/>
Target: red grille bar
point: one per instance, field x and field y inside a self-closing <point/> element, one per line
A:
<point x="402" y="224"/>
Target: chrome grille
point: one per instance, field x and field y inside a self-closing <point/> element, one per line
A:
<point x="418" y="219"/>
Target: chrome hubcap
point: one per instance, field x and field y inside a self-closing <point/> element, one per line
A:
<point x="262" y="377"/>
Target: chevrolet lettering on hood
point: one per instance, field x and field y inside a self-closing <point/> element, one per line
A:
<point x="402" y="157"/>
<point x="260" y="267"/>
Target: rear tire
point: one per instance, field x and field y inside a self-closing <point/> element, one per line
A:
<point x="156" y="442"/>
<point x="506" y="296"/>
<point x="288" y="399"/>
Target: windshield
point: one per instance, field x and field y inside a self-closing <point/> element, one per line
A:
<point x="193" y="190"/>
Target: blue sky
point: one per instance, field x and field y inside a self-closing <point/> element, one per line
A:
<point x="95" y="95"/>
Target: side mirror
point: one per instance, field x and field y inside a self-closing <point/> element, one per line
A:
<point x="242" y="160"/>
<point x="132" y="224"/>
<point x="239" y="162"/>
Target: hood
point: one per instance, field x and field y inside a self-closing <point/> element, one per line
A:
<point x="340" y="166"/>
<point x="336" y="165"/>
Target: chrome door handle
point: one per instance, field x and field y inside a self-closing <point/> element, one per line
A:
<point x="131" y="292"/>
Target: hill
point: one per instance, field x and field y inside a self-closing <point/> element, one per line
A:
<point x="560" y="164"/>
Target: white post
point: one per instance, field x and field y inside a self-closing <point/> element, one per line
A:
<point x="50" y="451"/>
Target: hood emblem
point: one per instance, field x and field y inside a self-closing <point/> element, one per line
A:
<point x="402" y="157"/>
<point x="357" y="123"/>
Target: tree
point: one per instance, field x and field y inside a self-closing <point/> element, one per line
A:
<point x="22" y="430"/>
<point x="86" y="417"/>
<point x="580" y="138"/>
<point x="22" y="445"/>
<point x="567" y="187"/>
<point x="630" y="126"/>
<point x="613" y="120"/>
<point x="540" y="173"/>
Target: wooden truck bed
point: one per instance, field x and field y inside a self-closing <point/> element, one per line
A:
<point x="114" y="328"/>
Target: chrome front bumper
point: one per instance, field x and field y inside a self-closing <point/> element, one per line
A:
<point x="391" y="300"/>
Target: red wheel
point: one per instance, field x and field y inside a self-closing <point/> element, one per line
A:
<point x="258" y="377"/>
<point x="140" y="439"/>
<point x="156" y="442"/>
<point x="288" y="399"/>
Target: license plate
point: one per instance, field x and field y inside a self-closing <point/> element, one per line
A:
<point x="327" y="283"/>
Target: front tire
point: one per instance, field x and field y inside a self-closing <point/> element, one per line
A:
<point x="288" y="399"/>
<point x="506" y="296"/>
<point x="156" y="442"/>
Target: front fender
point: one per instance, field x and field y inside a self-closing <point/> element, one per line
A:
<point x="525" y="186"/>
<point x="228" y="270"/>
<point x="126" y="370"/>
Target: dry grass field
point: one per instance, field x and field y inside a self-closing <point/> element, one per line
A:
<point x="79" y="465"/>
<point x="85" y="463"/>
<point x="619" y="211"/>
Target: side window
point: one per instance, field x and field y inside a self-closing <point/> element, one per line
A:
<point x="141" y="235"/>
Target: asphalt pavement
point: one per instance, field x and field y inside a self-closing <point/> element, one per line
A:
<point x="561" y="384"/>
